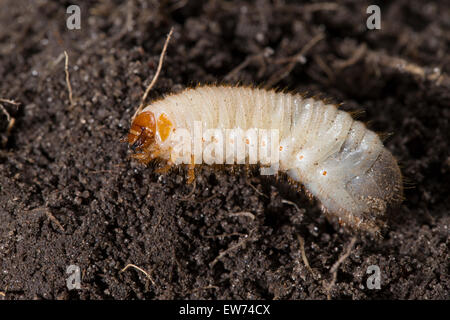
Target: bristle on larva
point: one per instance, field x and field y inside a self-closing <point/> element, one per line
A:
<point x="338" y="160"/>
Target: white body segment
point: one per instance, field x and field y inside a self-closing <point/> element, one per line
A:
<point x="342" y="163"/>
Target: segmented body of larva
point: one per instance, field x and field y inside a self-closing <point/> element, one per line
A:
<point x="339" y="161"/>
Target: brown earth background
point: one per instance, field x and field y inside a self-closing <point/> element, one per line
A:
<point x="70" y="194"/>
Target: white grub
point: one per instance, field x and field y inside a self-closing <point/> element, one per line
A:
<point x="338" y="160"/>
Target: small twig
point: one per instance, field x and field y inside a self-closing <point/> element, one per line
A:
<point x="258" y="56"/>
<point x="293" y="60"/>
<point x="357" y="55"/>
<point x="140" y="269"/>
<point x="304" y="258"/>
<point x="8" y="117"/>
<point x="434" y="75"/>
<point x="208" y="199"/>
<point x="243" y="214"/>
<point x="291" y="203"/>
<point x="52" y="218"/>
<point x="55" y="62"/>
<point x="69" y="87"/>
<point x="49" y="215"/>
<point x="256" y="189"/>
<point x="191" y="193"/>
<point x="308" y="46"/>
<point x="336" y="265"/>
<point x="3" y="293"/>
<point x="155" y="78"/>
<point x="322" y="65"/>
<point x="223" y="253"/>
<point x="11" y="120"/>
<point x="9" y="101"/>
<point x="343" y="257"/>
<point x="378" y="58"/>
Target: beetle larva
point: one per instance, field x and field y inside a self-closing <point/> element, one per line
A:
<point x="338" y="160"/>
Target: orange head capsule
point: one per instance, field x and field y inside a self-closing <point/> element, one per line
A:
<point x="142" y="131"/>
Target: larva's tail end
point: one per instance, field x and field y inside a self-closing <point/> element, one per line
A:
<point x="366" y="200"/>
<point x="379" y="190"/>
<point x="387" y="176"/>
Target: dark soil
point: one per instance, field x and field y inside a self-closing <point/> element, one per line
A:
<point x="70" y="194"/>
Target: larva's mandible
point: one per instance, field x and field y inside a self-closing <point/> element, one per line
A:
<point x="339" y="161"/>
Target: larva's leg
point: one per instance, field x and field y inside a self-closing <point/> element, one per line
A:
<point x="168" y="165"/>
<point x="146" y="160"/>
<point x="298" y="186"/>
<point x="139" y="156"/>
<point x="146" y="156"/>
<point x="191" y="171"/>
<point x="163" y="170"/>
<point x="247" y="170"/>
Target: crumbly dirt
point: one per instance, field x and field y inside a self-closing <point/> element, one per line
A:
<point x="70" y="194"/>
